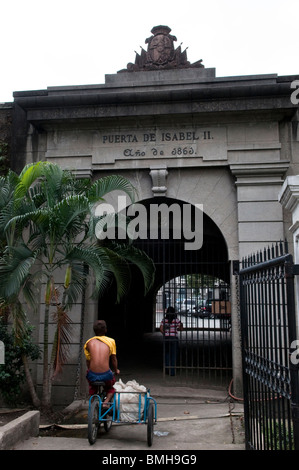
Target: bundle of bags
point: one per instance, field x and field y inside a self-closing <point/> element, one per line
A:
<point x="129" y="401"/>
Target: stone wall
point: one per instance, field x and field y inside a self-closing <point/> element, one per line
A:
<point x="227" y="143"/>
<point x="6" y="110"/>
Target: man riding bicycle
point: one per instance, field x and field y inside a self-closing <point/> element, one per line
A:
<point x="100" y="352"/>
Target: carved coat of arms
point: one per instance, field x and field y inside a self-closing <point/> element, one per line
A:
<point x="160" y="46"/>
<point x="161" y="53"/>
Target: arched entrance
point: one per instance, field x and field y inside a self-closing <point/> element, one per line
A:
<point x="196" y="283"/>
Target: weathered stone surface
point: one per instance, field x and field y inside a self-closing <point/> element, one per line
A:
<point x="182" y="132"/>
<point x="19" y="429"/>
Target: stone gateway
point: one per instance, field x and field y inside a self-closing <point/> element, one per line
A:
<point x="181" y="135"/>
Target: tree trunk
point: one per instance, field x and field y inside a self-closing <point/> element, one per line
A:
<point x="33" y="394"/>
<point x="46" y="396"/>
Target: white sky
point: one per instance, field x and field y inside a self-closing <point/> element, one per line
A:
<point x="76" y="42"/>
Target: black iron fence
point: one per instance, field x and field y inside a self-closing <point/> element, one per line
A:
<point x="269" y="344"/>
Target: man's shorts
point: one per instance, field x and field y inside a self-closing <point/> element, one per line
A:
<point x="106" y="377"/>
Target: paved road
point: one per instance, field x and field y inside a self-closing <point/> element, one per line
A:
<point x="188" y="420"/>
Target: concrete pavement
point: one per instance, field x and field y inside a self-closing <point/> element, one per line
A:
<point x="197" y="417"/>
<point x="189" y="419"/>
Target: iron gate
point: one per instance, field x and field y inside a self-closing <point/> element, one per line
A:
<point x="196" y="283"/>
<point x="269" y="345"/>
<point x="202" y="306"/>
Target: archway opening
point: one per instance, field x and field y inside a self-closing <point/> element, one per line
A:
<point x="196" y="282"/>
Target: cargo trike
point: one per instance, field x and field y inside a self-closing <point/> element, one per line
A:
<point x="144" y="411"/>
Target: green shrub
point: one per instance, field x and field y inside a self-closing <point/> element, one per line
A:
<point x="12" y="374"/>
<point x="280" y="437"/>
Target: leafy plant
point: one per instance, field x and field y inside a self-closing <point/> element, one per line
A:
<point x="279" y="436"/>
<point x="48" y="217"/>
<point x="12" y="373"/>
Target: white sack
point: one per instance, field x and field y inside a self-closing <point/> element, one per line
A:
<point x="129" y="402"/>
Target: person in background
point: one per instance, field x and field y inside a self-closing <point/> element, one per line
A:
<point x="169" y="327"/>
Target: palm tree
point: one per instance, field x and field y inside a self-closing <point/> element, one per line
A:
<point x="13" y="252"/>
<point x="54" y="219"/>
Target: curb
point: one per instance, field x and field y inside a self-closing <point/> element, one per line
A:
<point x="74" y="407"/>
<point x="19" y="430"/>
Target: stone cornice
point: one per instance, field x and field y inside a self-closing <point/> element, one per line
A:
<point x="259" y="173"/>
<point x="205" y="92"/>
<point x="289" y="194"/>
<point x="199" y="95"/>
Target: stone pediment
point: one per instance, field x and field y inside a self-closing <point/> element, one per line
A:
<point x="161" y="54"/>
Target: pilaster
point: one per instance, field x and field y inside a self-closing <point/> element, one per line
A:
<point x="289" y="199"/>
<point x="260" y="216"/>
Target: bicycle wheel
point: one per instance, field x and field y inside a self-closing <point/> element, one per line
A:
<point x="93" y="421"/>
<point x="150" y="424"/>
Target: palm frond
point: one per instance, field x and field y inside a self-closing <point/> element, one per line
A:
<point x="18" y="320"/>
<point x="28" y="176"/>
<point x="52" y="184"/>
<point x="30" y="289"/>
<point x="105" y="185"/>
<point x="119" y="268"/>
<point x="40" y="218"/>
<point x="95" y="260"/>
<point x="6" y="191"/>
<point x="76" y="286"/>
<point x="140" y="259"/>
<point x="70" y="214"/>
<point x="12" y="178"/>
<point x="37" y="195"/>
<point x="7" y="213"/>
<point x="62" y="339"/>
<point x="15" y="266"/>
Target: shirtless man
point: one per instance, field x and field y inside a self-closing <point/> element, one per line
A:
<point x="100" y="352"/>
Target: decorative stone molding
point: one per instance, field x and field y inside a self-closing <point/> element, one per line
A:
<point x="159" y="175"/>
<point x="289" y="193"/>
<point x="264" y="173"/>
<point x="161" y="53"/>
<point x="289" y="199"/>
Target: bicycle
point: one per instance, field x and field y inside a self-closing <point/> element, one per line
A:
<point x="97" y="414"/>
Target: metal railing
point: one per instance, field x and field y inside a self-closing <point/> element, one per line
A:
<point x="269" y="332"/>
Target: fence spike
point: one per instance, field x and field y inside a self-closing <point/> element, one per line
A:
<point x="286" y="246"/>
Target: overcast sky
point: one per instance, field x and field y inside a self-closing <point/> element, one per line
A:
<point x="75" y="42"/>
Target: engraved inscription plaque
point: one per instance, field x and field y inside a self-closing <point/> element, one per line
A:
<point x="208" y="143"/>
<point x="131" y="147"/>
